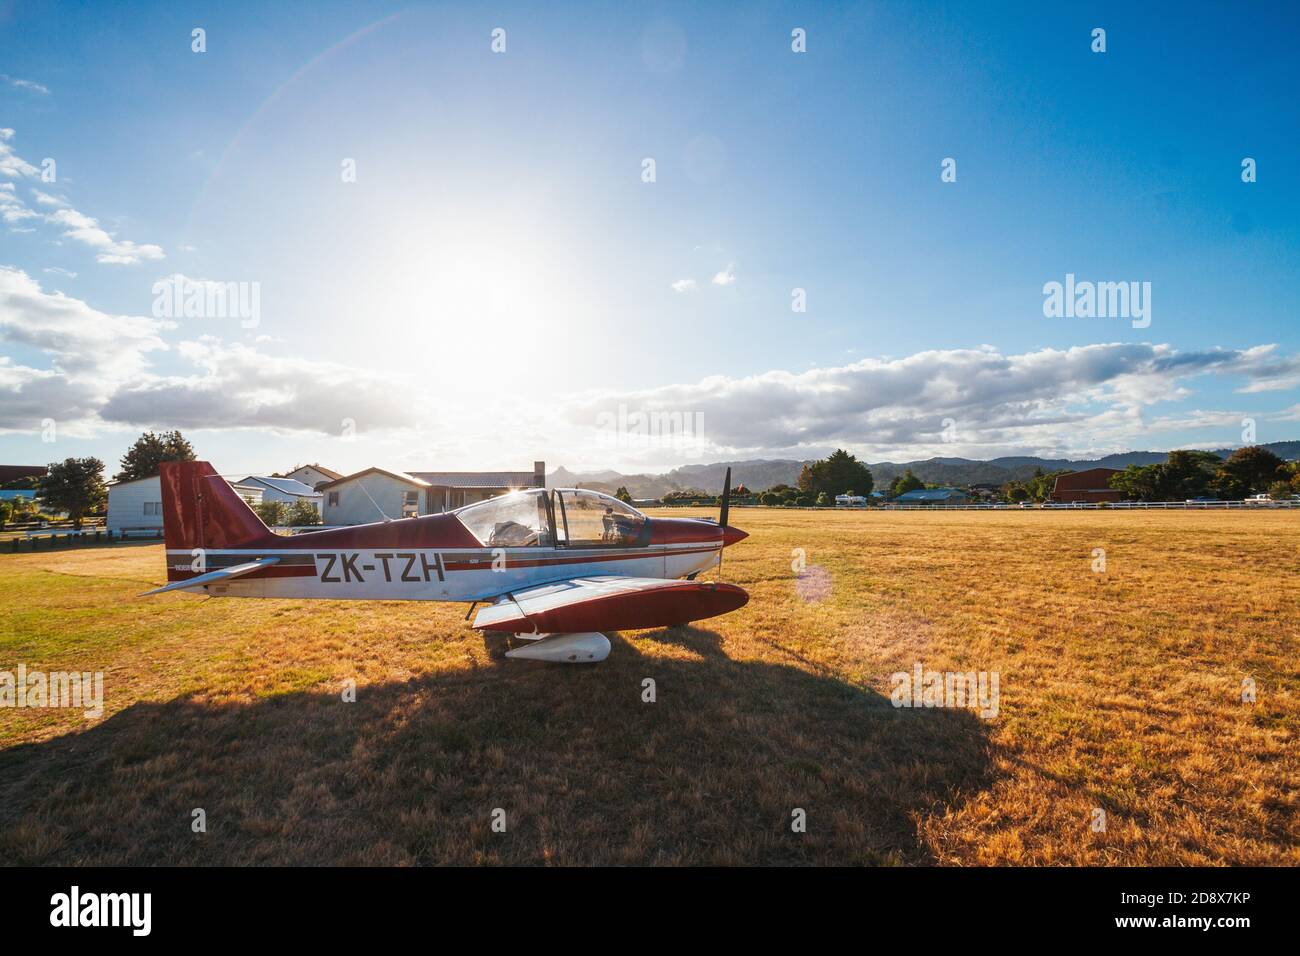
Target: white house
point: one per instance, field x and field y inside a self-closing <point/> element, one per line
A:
<point x="285" y="490"/>
<point x="373" y="495"/>
<point x="137" y="505"/>
<point x="376" y="493"/>
<point x="449" y="490"/>
<point x="313" y="475"/>
<point x="850" y="500"/>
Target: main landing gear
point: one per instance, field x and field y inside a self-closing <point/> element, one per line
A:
<point x="584" y="648"/>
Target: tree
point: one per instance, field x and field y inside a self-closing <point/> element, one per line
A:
<point x="1184" y="474"/>
<point x="1015" y="491"/>
<point x="824" y="500"/>
<point x="1188" y="474"/>
<point x="1279" y="490"/>
<point x="684" y="495"/>
<point x="272" y="513"/>
<point x="904" y="483"/>
<point x="25" y="483"/>
<point x="21" y="508"/>
<point x="835" y="475"/>
<point x="302" y="512"/>
<point x="75" y="485"/>
<point x="1139" y="482"/>
<point x="149" y="451"/>
<point x="769" y="498"/>
<point x="623" y="495"/>
<point x="1247" y="471"/>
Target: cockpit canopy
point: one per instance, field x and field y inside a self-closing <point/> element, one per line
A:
<point x="563" y="517"/>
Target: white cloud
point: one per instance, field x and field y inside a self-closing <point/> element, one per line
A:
<point x="28" y="396"/>
<point x="45" y="199"/>
<point x="89" y="352"/>
<point x="100" y="374"/>
<point x="684" y="285"/>
<point x="77" y="226"/>
<point x="78" y="339"/>
<point x="11" y="164"/>
<point x="84" y="229"/>
<point x="30" y="85"/>
<point x="727" y="276"/>
<point x="12" y="209"/>
<point x="240" y="387"/>
<point x="1045" y="399"/>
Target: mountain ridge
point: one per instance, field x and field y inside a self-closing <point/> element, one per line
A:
<point x="761" y="473"/>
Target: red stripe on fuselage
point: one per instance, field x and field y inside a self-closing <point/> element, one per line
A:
<point x="452" y="564"/>
<point x="515" y="562"/>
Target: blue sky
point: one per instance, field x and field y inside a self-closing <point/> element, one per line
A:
<point x="499" y="281"/>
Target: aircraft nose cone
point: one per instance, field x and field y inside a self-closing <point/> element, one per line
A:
<point x="731" y="535"/>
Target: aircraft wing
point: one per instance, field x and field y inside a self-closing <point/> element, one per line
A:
<point x="608" y="603"/>
<point x="215" y="577"/>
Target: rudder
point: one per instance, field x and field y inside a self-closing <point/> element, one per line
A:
<point x="202" y="510"/>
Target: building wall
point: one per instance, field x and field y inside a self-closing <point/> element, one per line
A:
<point x="442" y="499"/>
<point x="252" y="494"/>
<point x="1091" y="485"/>
<point x="127" y="503"/>
<point x="308" y="475"/>
<point x="355" y="508"/>
<point x="1089" y="495"/>
<point x="274" y="494"/>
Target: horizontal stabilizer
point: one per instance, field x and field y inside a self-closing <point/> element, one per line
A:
<point x="215" y="577"/>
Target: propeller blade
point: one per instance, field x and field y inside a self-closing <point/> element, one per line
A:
<point x="726" y="500"/>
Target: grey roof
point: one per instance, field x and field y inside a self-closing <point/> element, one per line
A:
<point x="329" y="473"/>
<point x="931" y="494"/>
<point x="476" y="479"/>
<point x="399" y="475"/>
<point x="289" y="486"/>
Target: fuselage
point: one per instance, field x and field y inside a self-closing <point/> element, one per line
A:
<point x="438" y="558"/>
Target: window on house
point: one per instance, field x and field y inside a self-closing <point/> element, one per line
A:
<point x="153" y="508"/>
<point x="334" y="499"/>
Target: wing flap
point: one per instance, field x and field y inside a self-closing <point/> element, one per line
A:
<point x="609" y="603"/>
<point x="215" y="577"/>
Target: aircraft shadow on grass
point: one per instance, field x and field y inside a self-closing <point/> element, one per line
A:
<point x="574" y="762"/>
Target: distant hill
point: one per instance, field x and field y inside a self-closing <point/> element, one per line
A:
<point x="762" y="473"/>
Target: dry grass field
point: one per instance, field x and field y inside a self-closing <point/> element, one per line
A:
<point x="1119" y="690"/>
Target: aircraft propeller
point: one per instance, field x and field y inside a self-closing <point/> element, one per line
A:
<point x="726" y="499"/>
<point x="722" y="515"/>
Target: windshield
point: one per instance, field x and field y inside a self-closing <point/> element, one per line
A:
<point x="516" y="520"/>
<point x="594" y="519"/>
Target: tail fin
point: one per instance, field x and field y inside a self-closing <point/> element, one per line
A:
<point x="202" y="510"/>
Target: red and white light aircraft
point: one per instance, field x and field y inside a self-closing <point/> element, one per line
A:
<point x="556" y="567"/>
